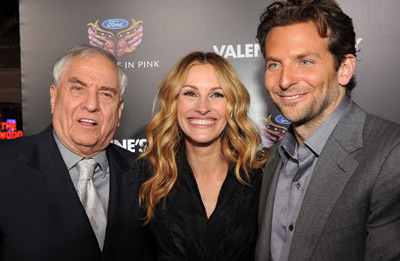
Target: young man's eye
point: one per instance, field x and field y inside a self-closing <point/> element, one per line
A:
<point x="272" y="66"/>
<point x="305" y="62"/>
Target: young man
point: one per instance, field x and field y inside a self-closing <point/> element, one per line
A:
<point x="332" y="191"/>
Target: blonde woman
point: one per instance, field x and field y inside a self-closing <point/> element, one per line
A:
<point x="203" y="164"/>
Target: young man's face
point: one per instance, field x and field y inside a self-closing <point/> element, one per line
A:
<point x="300" y="75"/>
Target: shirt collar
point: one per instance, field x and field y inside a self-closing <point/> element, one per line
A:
<point x="318" y="138"/>
<point x="288" y="144"/>
<point x="70" y="158"/>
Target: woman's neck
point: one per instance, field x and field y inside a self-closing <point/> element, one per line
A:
<point x="209" y="169"/>
<point x="206" y="160"/>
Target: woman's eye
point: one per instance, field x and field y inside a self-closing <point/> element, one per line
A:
<point x="190" y="94"/>
<point x="218" y="95"/>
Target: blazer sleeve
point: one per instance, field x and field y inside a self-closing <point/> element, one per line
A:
<point x="383" y="225"/>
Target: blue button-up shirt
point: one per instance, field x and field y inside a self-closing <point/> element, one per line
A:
<point x="298" y="166"/>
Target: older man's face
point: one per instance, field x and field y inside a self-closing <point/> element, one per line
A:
<point x="86" y="105"/>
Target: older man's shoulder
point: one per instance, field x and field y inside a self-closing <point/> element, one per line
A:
<point x="126" y="154"/>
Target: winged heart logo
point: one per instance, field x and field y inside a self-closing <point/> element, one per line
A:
<point x="125" y="41"/>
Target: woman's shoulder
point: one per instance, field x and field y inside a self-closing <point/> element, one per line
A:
<point x="256" y="173"/>
<point x="256" y="176"/>
<point x="253" y="177"/>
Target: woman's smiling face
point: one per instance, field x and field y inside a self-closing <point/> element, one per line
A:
<point x="201" y="106"/>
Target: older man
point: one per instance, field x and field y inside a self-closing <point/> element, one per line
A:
<point x="332" y="192"/>
<point x="67" y="193"/>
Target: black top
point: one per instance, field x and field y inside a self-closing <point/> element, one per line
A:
<point x="183" y="231"/>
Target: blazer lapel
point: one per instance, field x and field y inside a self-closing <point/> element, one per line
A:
<point x="124" y="186"/>
<point x="46" y="177"/>
<point x="334" y="168"/>
<point x="267" y="195"/>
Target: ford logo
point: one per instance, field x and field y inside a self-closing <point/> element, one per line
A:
<point x="281" y="119"/>
<point x="115" y="23"/>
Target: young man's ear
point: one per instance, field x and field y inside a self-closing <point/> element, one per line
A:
<point x="346" y="69"/>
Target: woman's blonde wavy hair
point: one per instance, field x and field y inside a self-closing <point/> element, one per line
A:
<point x="240" y="140"/>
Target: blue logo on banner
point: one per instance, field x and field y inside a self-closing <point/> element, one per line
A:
<point x="115" y="23"/>
<point x="281" y="119"/>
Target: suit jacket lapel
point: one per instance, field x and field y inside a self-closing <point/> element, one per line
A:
<point x="123" y="196"/>
<point x="334" y="168"/>
<point x="267" y="196"/>
<point x="46" y="177"/>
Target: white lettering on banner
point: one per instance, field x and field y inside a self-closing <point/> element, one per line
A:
<point x="139" y="64"/>
<point x="131" y="144"/>
<point x="148" y="64"/>
<point x="248" y="50"/>
<point x="241" y="51"/>
<point x="129" y="64"/>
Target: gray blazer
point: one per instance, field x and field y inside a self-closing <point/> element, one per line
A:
<point x="351" y="210"/>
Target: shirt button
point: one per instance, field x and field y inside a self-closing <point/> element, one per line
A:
<point x="298" y="185"/>
<point x="291" y="227"/>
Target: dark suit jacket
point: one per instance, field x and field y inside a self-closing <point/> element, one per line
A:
<point x="351" y="210"/>
<point x="41" y="216"/>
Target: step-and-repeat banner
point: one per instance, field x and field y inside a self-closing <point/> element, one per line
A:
<point x="159" y="33"/>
